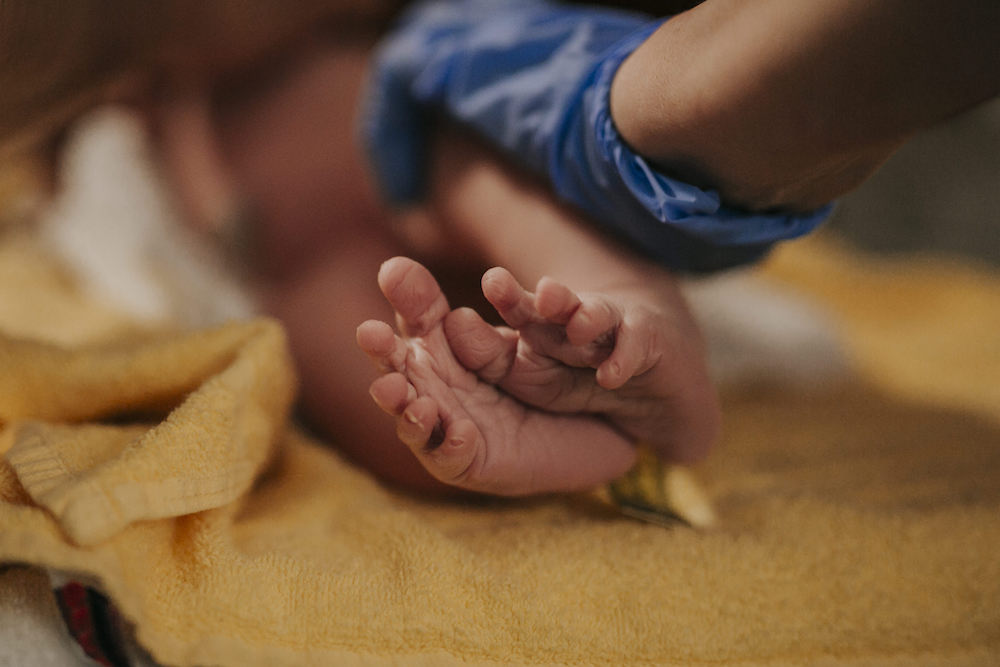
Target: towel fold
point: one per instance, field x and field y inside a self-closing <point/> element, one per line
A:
<point x="858" y="526"/>
<point x="226" y="393"/>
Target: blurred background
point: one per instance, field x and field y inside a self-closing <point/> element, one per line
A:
<point x="940" y="193"/>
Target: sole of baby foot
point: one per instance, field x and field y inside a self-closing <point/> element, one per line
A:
<point x="624" y="357"/>
<point x="465" y="431"/>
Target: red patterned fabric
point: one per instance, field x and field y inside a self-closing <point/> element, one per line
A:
<point x="92" y="622"/>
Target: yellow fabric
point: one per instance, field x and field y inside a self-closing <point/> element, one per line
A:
<point x="858" y="526"/>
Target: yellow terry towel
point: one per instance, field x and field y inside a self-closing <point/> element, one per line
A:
<point x="857" y="527"/>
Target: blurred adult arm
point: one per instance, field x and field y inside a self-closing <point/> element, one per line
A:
<point x="789" y="104"/>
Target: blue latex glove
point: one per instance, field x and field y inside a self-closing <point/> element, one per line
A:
<point x="534" y="77"/>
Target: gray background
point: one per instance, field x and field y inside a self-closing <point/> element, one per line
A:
<point x="940" y="192"/>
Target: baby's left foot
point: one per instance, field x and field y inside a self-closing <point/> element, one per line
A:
<point x="632" y="355"/>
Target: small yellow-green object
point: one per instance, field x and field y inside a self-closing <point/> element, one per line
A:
<point x="661" y="493"/>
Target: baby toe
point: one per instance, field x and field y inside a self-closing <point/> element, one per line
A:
<point x="416" y="424"/>
<point x="555" y="302"/>
<point x="485" y="350"/>
<point x="629" y="358"/>
<point x="512" y="302"/>
<point x="594" y="323"/>
<point x="392" y="393"/>
<point x="455" y="460"/>
<point x="382" y="345"/>
<point x="415" y="295"/>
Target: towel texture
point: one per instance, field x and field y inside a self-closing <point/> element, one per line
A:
<point x="857" y="526"/>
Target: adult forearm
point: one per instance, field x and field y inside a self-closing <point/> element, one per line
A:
<point x="788" y="103"/>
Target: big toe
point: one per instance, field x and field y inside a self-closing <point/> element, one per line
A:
<point x="511" y="301"/>
<point x="414" y="294"/>
<point x="485" y="350"/>
<point x="555" y="302"/>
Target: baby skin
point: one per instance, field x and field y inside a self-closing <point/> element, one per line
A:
<point x="601" y="354"/>
<point x="552" y="402"/>
<point x="556" y="399"/>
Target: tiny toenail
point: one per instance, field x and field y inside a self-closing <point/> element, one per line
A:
<point x="615" y="368"/>
<point x="456" y="442"/>
<point x="410" y="417"/>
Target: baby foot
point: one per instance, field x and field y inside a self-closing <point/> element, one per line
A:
<point x="635" y="358"/>
<point x="461" y="427"/>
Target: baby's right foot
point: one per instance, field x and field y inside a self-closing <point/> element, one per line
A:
<point x="633" y="356"/>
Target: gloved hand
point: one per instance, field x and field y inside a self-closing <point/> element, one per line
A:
<point x="534" y="77"/>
